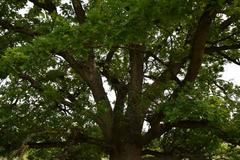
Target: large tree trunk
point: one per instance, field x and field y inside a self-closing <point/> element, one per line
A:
<point x="126" y="152"/>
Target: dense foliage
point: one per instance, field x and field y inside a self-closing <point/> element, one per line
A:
<point x="119" y="79"/>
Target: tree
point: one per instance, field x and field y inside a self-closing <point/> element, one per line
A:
<point x="61" y="62"/>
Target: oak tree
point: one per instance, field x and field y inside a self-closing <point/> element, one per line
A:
<point x="120" y="79"/>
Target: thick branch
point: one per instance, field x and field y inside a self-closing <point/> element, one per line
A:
<point x="198" y="45"/>
<point x="219" y="51"/>
<point x="120" y="99"/>
<point x="191" y="124"/>
<point x="120" y="88"/>
<point x="230" y="59"/>
<point x="89" y="72"/>
<point x="19" y="29"/>
<point x="155" y="131"/>
<point x="225" y="137"/>
<point x="136" y="72"/>
<point x="36" y="85"/>
<point x="45" y="4"/>
<point x="158" y="129"/>
<point x="223" y="48"/>
<point x="155" y="90"/>
<point x="112" y="79"/>
<point x="228" y="37"/>
<point x="134" y="113"/>
<point x="79" y="11"/>
<point x="207" y="125"/>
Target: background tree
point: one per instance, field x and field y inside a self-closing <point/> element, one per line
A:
<point x="63" y="62"/>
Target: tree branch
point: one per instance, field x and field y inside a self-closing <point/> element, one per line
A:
<point x="75" y="138"/>
<point x="228" y="22"/>
<point x="198" y="45"/>
<point x="110" y="56"/>
<point x="79" y="11"/>
<point x="47" y="144"/>
<point x="134" y="113"/>
<point x="157" y="129"/>
<point x="219" y="51"/>
<point x="89" y="72"/>
<point x="114" y="81"/>
<point x="223" y="48"/>
<point x="150" y="54"/>
<point x="36" y="85"/>
<point x="19" y="29"/>
<point x="153" y="91"/>
<point x="45" y="4"/>
<point x="121" y="90"/>
<point x="228" y="37"/>
<point x="191" y="124"/>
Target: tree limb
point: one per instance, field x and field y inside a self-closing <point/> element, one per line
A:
<point x="134" y="113"/>
<point x="32" y="82"/>
<point x="219" y="51"/>
<point x="75" y="138"/>
<point x="45" y="4"/>
<point x="89" y="72"/>
<point x="229" y="37"/>
<point x="198" y="45"/>
<point x="19" y="29"/>
<point x="223" y="48"/>
<point x="157" y="129"/>
<point x="191" y="124"/>
<point x="47" y="144"/>
<point x="79" y="11"/>
<point x="160" y="129"/>
<point x="228" y="22"/>
<point x="36" y="85"/>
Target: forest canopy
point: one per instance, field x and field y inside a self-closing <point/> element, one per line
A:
<point x="119" y="79"/>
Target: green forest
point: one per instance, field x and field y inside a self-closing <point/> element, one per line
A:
<point x="119" y="80"/>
